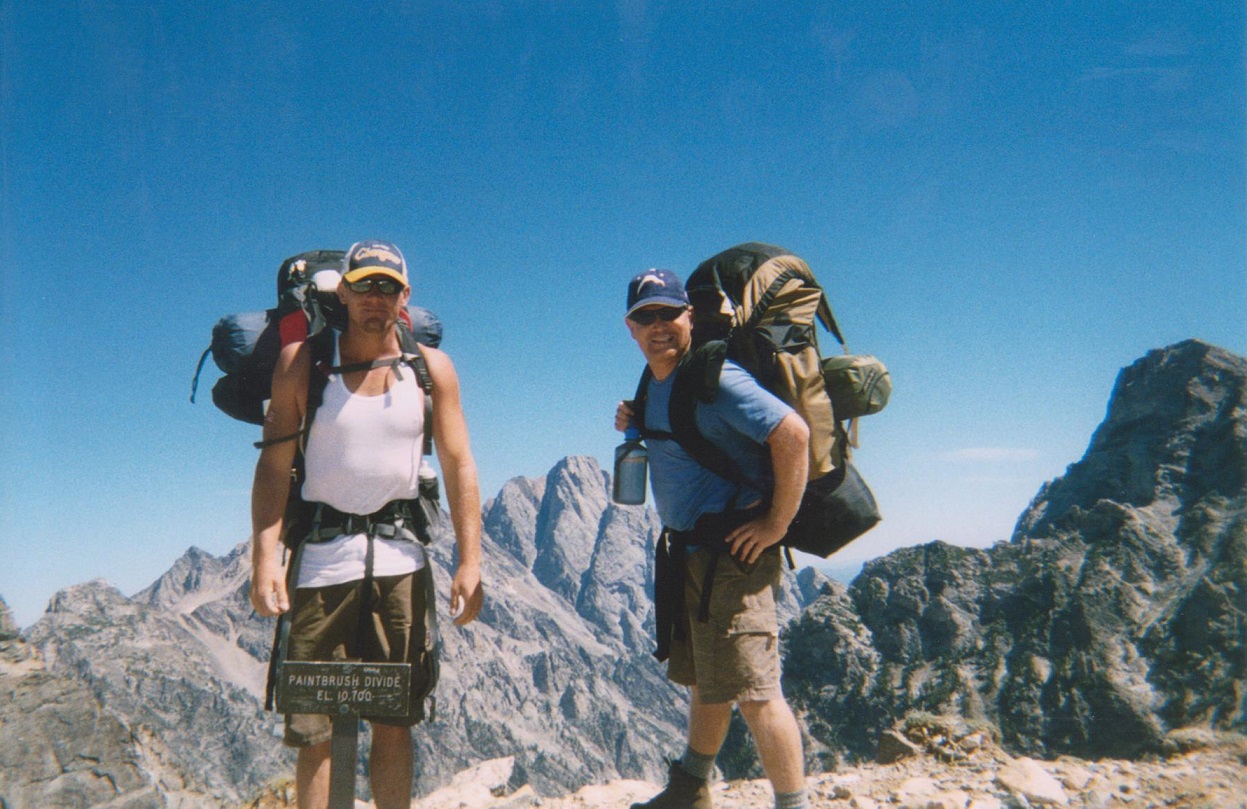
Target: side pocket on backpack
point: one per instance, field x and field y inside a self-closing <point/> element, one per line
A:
<point x="428" y="511"/>
<point x="297" y="521"/>
<point x="430" y="667"/>
<point x="836" y="509"/>
<point x="859" y="385"/>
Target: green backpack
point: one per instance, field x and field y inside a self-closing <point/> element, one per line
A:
<point x="758" y="305"/>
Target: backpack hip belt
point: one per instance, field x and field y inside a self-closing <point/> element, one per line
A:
<point x="710" y="533"/>
<point x="713" y="527"/>
<point x="392" y="521"/>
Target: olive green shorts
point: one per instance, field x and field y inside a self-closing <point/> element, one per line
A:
<point x="323" y="621"/>
<point x="734" y="657"/>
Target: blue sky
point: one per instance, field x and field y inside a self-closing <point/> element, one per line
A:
<point x="1006" y="203"/>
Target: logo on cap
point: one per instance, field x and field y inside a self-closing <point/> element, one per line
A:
<point x="656" y="286"/>
<point x="380" y="255"/>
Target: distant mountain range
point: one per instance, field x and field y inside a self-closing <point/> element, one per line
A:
<point x="159" y="697"/>
<point x="1117" y="611"/>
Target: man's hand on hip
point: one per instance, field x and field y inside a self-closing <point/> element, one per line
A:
<point x="748" y="541"/>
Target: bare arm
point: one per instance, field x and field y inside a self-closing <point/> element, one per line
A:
<point x="789" y="447"/>
<point x="271" y="487"/>
<point x="463" y="495"/>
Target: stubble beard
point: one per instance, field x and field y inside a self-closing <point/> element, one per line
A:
<point x="376" y="324"/>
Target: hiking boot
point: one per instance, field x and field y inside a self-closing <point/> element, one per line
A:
<point x="683" y="791"/>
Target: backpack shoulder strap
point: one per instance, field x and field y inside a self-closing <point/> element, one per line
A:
<point x="322" y="345"/>
<point x="413" y="356"/>
<point x="697" y="379"/>
<point x="638" y="403"/>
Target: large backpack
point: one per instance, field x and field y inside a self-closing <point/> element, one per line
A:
<point x="758" y="305"/>
<point x="245" y="345"/>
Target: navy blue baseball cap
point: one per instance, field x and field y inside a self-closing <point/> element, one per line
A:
<point x="656" y="288"/>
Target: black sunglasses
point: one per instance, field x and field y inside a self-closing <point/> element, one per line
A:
<point x="647" y="317"/>
<point x="386" y="286"/>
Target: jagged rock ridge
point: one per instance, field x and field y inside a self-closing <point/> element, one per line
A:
<point x="557" y="671"/>
<point x="1114" y="613"/>
<point x="61" y="746"/>
<point x="1117" y="611"/>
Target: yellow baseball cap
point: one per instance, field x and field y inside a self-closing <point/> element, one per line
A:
<point x="372" y="257"/>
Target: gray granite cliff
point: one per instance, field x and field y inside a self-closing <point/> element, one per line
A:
<point x="1115" y="614"/>
<point x="156" y="699"/>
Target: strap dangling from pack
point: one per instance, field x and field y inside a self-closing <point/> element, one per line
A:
<point x="707" y="586"/>
<point x="198" y="369"/>
<point x="668" y="594"/>
<point x="365" y="601"/>
<point x="281" y="632"/>
<point x="432" y="633"/>
<point x="270" y="442"/>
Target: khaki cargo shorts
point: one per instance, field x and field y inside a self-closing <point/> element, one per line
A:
<point x="325" y="619"/>
<point x="734" y="657"/>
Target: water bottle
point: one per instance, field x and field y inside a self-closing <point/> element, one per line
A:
<point x="631" y="468"/>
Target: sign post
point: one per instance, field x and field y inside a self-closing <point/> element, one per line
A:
<point x="344" y="691"/>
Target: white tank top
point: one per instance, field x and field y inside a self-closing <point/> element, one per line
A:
<point x="363" y="452"/>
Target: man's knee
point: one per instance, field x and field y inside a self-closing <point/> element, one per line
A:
<point x="756" y="709"/>
<point x="387" y="735"/>
<point x="315" y="752"/>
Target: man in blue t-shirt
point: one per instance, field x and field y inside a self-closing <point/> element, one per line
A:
<point x="720" y="550"/>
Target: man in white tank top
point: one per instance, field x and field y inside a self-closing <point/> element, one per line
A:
<point x="363" y="452"/>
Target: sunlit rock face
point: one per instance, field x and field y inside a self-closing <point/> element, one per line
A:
<point x="159" y="696"/>
<point x="1117" y="611"/>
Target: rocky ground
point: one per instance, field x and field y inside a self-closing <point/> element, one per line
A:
<point x="922" y="770"/>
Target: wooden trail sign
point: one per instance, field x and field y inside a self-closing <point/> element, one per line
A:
<point x="345" y="692"/>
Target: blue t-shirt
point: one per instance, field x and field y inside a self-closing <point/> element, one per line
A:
<point x="738" y="422"/>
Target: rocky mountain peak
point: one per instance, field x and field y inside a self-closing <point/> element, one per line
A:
<point x="575" y="498"/>
<point x="1113" y="620"/>
<point x="511" y="517"/>
<point x="1113" y="617"/>
<point x="94" y="600"/>
<point x="1175" y="432"/>
<point x="187" y="575"/>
